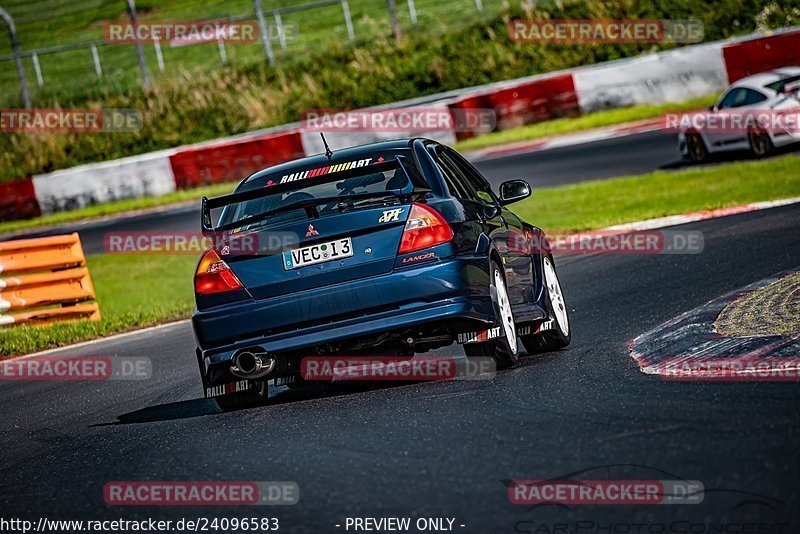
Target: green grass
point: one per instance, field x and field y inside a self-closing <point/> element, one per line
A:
<point x="592" y="205"/>
<point x="116" y="208"/>
<point x="133" y="292"/>
<point x="49" y="23"/>
<point x="769" y="311"/>
<point x="575" y="124"/>
<point x="138" y="291"/>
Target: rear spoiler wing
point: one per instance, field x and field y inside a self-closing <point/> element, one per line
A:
<point x="208" y="204"/>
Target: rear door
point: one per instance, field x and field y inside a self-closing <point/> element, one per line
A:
<point x="509" y="237"/>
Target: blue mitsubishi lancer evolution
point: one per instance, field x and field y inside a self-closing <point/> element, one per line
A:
<point x="397" y="247"/>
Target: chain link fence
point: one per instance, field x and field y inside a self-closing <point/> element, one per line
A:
<point x="64" y="55"/>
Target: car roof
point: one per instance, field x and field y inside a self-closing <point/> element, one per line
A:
<point x="384" y="148"/>
<point x="761" y="80"/>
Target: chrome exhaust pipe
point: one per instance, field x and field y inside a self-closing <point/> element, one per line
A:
<point x="247" y="364"/>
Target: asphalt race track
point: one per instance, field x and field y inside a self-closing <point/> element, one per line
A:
<point x="444" y="449"/>
<point x="597" y="160"/>
<point x="624" y="156"/>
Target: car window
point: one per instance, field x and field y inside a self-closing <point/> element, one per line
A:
<point x="781" y="84"/>
<point x="456" y="182"/>
<point x="734" y="99"/>
<point x="476" y="182"/>
<point x="307" y="189"/>
<point x="754" y="97"/>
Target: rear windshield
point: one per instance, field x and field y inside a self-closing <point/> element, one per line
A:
<point x="781" y="84"/>
<point x="369" y="182"/>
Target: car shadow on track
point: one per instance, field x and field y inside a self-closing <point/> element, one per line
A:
<point x="283" y="395"/>
<point x="204" y="407"/>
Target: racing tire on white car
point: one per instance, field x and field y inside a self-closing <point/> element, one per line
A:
<point x="256" y="395"/>
<point x="760" y="143"/>
<point x="505" y="347"/>
<point x="560" y="335"/>
<point x="696" y="147"/>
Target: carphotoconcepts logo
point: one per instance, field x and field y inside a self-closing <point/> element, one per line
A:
<point x="570" y="31"/>
<point x="405" y="120"/>
<point x="736" y="369"/>
<point x="386" y="368"/>
<point x="182" y="32"/>
<point x="70" y="120"/>
<point x="140" y="493"/>
<point x="606" y="492"/>
<point x="194" y="243"/>
<point x="737" y="121"/>
<point x="91" y="368"/>
<point x="610" y="242"/>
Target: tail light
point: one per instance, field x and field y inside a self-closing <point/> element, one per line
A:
<point x="214" y="276"/>
<point x="425" y="228"/>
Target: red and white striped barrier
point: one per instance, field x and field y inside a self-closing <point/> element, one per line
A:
<point x="670" y="76"/>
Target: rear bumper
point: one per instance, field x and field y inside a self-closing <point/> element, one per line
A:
<point x="450" y="290"/>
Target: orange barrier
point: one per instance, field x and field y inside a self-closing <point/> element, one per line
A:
<point x="61" y="292"/>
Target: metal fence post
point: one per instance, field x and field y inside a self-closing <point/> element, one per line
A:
<point x="98" y="68"/>
<point x="223" y="54"/>
<point x="479" y="5"/>
<point x="281" y="34"/>
<point x="412" y="10"/>
<point x="393" y="18"/>
<point x="159" y="56"/>
<point x="37" y="69"/>
<point x="262" y="28"/>
<point x="23" y="83"/>
<point x="348" y="21"/>
<point x="139" y="51"/>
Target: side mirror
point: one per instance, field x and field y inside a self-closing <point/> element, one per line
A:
<point x="514" y="191"/>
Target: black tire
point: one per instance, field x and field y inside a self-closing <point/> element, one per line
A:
<point x="504" y="348"/>
<point x="257" y="395"/>
<point x="696" y="148"/>
<point x="557" y="310"/>
<point x="760" y="143"/>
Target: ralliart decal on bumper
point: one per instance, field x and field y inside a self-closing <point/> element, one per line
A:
<point x="479" y="336"/>
<point x="493" y="333"/>
<point x="227" y="389"/>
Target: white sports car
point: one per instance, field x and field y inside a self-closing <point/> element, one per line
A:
<point x="775" y="92"/>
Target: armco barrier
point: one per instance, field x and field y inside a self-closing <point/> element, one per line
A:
<point x="18" y="200"/>
<point x="59" y="294"/>
<point x="540" y="99"/>
<point x="752" y="56"/>
<point x="148" y="175"/>
<point x="232" y="160"/>
<point x="672" y="76"/>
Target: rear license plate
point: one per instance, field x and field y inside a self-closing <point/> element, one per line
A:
<point x="319" y="253"/>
